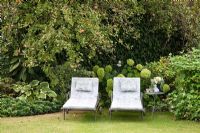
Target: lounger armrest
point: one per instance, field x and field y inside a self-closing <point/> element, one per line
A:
<point x="111" y="97"/>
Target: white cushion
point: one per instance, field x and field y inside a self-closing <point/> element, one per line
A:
<point x="82" y="104"/>
<point x="126" y="104"/>
<point x="128" y="85"/>
<point x="84" y="86"/>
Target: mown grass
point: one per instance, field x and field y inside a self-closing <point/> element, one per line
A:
<point x="122" y="122"/>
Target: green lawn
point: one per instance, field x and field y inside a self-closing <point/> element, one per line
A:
<point x="122" y="122"/>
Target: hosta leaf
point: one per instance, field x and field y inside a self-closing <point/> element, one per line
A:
<point x="28" y="93"/>
<point x="34" y="83"/>
<point x="52" y="94"/>
<point x="27" y="87"/>
<point x="36" y="92"/>
<point x="22" y="97"/>
<point x="44" y="85"/>
<point x="16" y="88"/>
<point x="42" y="96"/>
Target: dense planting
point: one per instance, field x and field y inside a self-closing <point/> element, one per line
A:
<point x="183" y="75"/>
<point x="122" y="69"/>
<point x="43" y="47"/>
<point x="82" y="32"/>
<point x="185" y="100"/>
<point x="17" y="107"/>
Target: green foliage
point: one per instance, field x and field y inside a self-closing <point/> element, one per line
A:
<point x="51" y="28"/>
<point x="188" y="62"/>
<point x="60" y="77"/>
<point x="161" y="102"/>
<point x="185" y="104"/>
<point x="106" y="78"/>
<point x="165" y="88"/>
<point x="92" y="32"/>
<point x="130" y="75"/>
<point x="185" y="100"/>
<point x="145" y="30"/>
<point x="16" y="68"/>
<point x="17" y="107"/>
<point x="110" y="83"/>
<point x="101" y="73"/>
<point x="109" y="87"/>
<point x="120" y="75"/>
<point x="163" y="68"/>
<point x="50" y="34"/>
<point x="145" y="73"/>
<point x="139" y="67"/>
<point x="34" y="90"/>
<point x="95" y="68"/>
<point x="182" y="74"/>
<point x="55" y="40"/>
<point x="108" y="68"/>
<point x="130" y="62"/>
<point x="5" y="87"/>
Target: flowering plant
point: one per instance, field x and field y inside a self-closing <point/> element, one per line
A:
<point x="157" y="80"/>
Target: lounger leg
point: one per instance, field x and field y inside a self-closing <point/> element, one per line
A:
<point x="95" y="115"/>
<point x="100" y="110"/>
<point x="64" y="113"/>
<point x="142" y="115"/>
<point x="110" y="113"/>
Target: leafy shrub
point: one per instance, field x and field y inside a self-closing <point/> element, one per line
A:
<point x="34" y="90"/>
<point x="54" y="32"/>
<point x="60" y="77"/>
<point x="16" y="107"/>
<point x="184" y="104"/>
<point x="172" y="27"/>
<point x="78" y="21"/>
<point x="106" y="77"/>
<point x="5" y="87"/>
<point x="163" y="69"/>
<point x="185" y="100"/>
<point x="182" y="74"/>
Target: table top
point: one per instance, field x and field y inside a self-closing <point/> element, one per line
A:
<point x="154" y="93"/>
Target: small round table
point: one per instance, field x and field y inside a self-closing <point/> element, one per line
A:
<point x="154" y="94"/>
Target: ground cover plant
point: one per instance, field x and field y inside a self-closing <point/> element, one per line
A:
<point x="16" y="107"/>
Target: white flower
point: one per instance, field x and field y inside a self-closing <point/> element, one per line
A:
<point x="156" y="80"/>
<point x="119" y="64"/>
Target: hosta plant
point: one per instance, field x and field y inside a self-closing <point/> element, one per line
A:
<point x="34" y="90"/>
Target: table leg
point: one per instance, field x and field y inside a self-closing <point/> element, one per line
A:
<point x="154" y="104"/>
